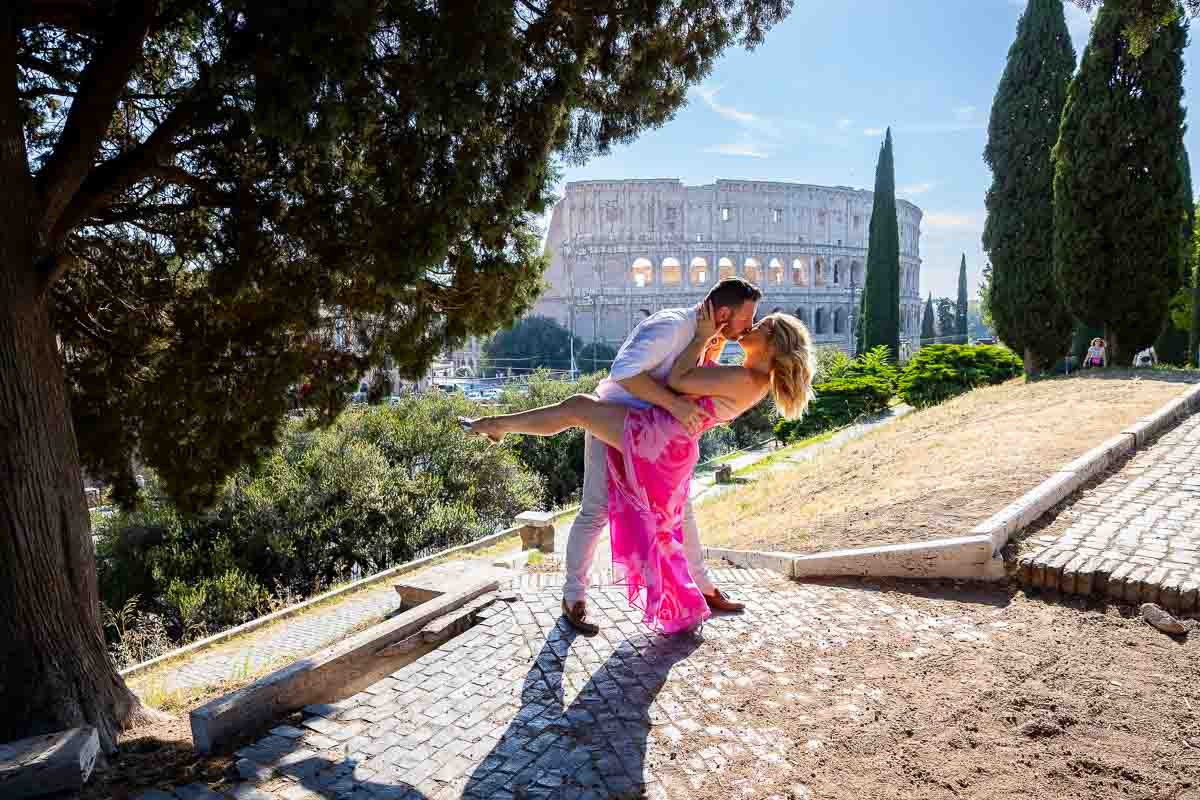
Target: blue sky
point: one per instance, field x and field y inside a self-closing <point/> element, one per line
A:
<point x="810" y="105"/>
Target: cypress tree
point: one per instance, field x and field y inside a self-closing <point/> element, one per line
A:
<point x="960" y="320"/>
<point x="1122" y="199"/>
<point x="881" y="294"/>
<point x="1026" y="307"/>
<point x="927" y="330"/>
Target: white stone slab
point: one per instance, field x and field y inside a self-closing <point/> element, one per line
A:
<point x="47" y="764"/>
<point x="964" y="557"/>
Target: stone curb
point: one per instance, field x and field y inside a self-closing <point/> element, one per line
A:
<point x="300" y="608"/>
<point x="325" y="676"/>
<point x="1022" y="512"/>
<point x="962" y="558"/>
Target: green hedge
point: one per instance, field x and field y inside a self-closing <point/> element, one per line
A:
<point x="838" y="402"/>
<point x="941" y="371"/>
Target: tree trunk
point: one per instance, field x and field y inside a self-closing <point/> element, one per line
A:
<point x="1112" y="348"/>
<point x="1031" y="365"/>
<point x="55" y="672"/>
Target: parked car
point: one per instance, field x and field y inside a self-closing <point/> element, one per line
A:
<point x="394" y="400"/>
<point x="358" y="398"/>
<point x="985" y="340"/>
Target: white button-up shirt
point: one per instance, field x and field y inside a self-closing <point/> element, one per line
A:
<point x="652" y="347"/>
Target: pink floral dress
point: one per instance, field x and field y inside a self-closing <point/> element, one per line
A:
<point x="648" y="487"/>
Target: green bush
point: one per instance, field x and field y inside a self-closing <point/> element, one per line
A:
<point x="941" y="371"/>
<point x="380" y="486"/>
<point x="838" y="403"/>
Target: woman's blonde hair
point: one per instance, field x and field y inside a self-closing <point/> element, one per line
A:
<point x="793" y="365"/>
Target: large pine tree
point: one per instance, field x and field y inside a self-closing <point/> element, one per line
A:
<point x="960" y="316"/>
<point x="205" y="202"/>
<point x="1026" y="306"/>
<point x="1122" y="199"/>
<point x="881" y="294"/>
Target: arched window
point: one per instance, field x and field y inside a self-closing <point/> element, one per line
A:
<point x="856" y="273"/>
<point x="837" y="273"/>
<point x="802" y="314"/>
<point x="819" y="321"/>
<point x="699" y="273"/>
<point x="645" y="312"/>
<point x="800" y="272"/>
<point x="837" y="321"/>
<point x="752" y="270"/>
<point x="819" y="272"/>
<point x="642" y="273"/>
<point x="775" y="272"/>
<point x="672" y="272"/>
<point x="725" y="269"/>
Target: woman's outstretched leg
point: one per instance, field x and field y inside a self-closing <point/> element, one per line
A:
<point x="605" y="421"/>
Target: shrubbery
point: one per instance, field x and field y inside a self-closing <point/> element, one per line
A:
<point x="940" y="371"/>
<point x="838" y="403"/>
<point x="380" y="486"/>
<point x="849" y="390"/>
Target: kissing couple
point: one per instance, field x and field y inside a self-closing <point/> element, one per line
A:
<point x="665" y="389"/>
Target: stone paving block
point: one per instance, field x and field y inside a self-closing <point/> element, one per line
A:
<point x="196" y="791"/>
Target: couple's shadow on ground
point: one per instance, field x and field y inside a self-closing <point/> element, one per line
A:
<point x="595" y="747"/>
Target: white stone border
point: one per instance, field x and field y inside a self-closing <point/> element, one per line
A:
<point x="974" y="556"/>
<point x="300" y="608"/>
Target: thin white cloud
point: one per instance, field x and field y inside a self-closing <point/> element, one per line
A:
<point x="844" y="124"/>
<point x="745" y="149"/>
<point x="938" y="220"/>
<point x="872" y="131"/>
<point x="964" y="112"/>
<point x="916" y="188"/>
<point x="745" y="119"/>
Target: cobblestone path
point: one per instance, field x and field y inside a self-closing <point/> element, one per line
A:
<point x="1134" y="537"/>
<point x="286" y="640"/>
<point x="521" y="707"/>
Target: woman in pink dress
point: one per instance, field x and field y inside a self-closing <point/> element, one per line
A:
<point x="651" y="457"/>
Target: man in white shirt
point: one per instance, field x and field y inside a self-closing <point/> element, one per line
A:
<point x="638" y="378"/>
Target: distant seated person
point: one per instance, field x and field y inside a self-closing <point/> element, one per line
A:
<point x="1097" y="354"/>
<point x="1146" y="358"/>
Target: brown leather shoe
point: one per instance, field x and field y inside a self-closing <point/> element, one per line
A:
<point x="577" y="616"/>
<point x="719" y="602"/>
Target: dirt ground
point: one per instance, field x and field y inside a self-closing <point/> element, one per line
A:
<point x="938" y="472"/>
<point x="1076" y="701"/>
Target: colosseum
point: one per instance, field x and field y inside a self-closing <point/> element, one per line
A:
<point x="621" y="250"/>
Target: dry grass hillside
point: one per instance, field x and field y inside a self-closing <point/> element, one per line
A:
<point x="938" y="472"/>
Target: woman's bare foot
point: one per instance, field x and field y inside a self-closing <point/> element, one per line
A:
<point x="482" y="426"/>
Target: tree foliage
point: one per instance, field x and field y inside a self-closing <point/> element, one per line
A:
<point x="1122" y="187"/>
<point x="530" y="344"/>
<point x="881" y="294"/>
<point x="1023" y="301"/>
<point x="1147" y="18"/>
<point x="945" y="310"/>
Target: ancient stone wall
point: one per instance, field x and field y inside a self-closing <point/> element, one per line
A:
<point x="621" y="250"/>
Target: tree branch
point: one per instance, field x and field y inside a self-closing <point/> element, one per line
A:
<point x="114" y="176"/>
<point x="100" y="89"/>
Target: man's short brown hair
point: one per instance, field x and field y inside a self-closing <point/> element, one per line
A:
<point x="732" y="292"/>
